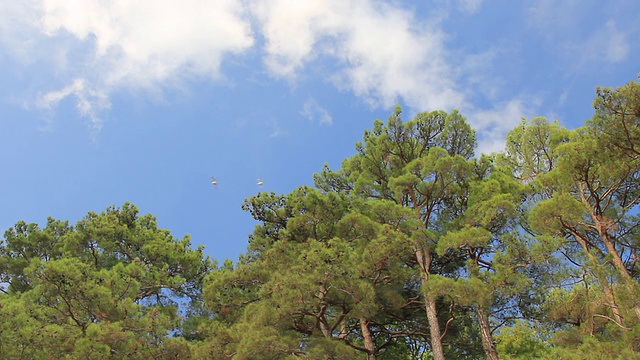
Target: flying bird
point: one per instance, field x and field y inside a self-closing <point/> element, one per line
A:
<point x="260" y="182"/>
<point x="214" y="182"/>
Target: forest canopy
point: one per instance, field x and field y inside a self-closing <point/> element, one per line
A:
<point x="414" y="248"/>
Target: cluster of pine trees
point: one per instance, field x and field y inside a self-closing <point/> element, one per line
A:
<point x="412" y="249"/>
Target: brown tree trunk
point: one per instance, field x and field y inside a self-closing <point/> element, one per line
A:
<point x="485" y="334"/>
<point x="321" y="318"/>
<point x="617" y="262"/>
<point x="369" y="345"/>
<point x="423" y="257"/>
<point x="608" y="293"/>
<point x="434" y="328"/>
<point x="603" y="224"/>
<point x="606" y="285"/>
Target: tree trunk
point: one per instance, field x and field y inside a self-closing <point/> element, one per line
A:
<point x="434" y="328"/>
<point x="321" y="316"/>
<point x="617" y="262"/>
<point x="603" y="224"/>
<point x="606" y="285"/>
<point x="423" y="256"/>
<point x="369" y="344"/>
<point x="485" y="334"/>
<point x="324" y="327"/>
<point x="613" y="304"/>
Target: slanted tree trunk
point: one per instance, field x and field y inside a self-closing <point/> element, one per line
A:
<point x="485" y="334"/>
<point x="369" y="344"/>
<point x="321" y="319"/>
<point x="616" y="261"/>
<point x="606" y="285"/>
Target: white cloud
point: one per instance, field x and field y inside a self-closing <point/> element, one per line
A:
<point x="616" y="44"/>
<point x="385" y="54"/>
<point x="18" y="22"/>
<point x="469" y="6"/>
<point x="552" y="17"/>
<point x="144" y="43"/>
<point x="291" y="31"/>
<point x="316" y="113"/>
<point x="133" y="44"/>
<point x="89" y="102"/>
<point x="379" y="51"/>
<point x="493" y="124"/>
<point x="605" y="44"/>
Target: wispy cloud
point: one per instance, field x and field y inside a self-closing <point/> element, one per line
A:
<point x="469" y="6"/>
<point x="607" y="44"/>
<point x="563" y="25"/>
<point x="492" y="124"/>
<point x="89" y="102"/>
<point x="19" y="22"/>
<point x="316" y="113"/>
<point x="612" y="43"/>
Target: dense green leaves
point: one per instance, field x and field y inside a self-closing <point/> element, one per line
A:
<point x="332" y="277"/>
<point x="108" y="287"/>
<point x="412" y="249"/>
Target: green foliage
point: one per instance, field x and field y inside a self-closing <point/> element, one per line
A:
<point x="574" y="344"/>
<point x="412" y="249"/>
<point x="617" y="120"/>
<point x="107" y="287"/>
<point x="523" y="342"/>
<point x="334" y="262"/>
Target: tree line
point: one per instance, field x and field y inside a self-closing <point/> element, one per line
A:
<point x="414" y="248"/>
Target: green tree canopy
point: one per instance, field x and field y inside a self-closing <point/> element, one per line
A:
<point x="107" y="287"/>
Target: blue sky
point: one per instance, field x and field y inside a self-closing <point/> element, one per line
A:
<point x="103" y="102"/>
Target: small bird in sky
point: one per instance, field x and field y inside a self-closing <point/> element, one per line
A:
<point x="260" y="182"/>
